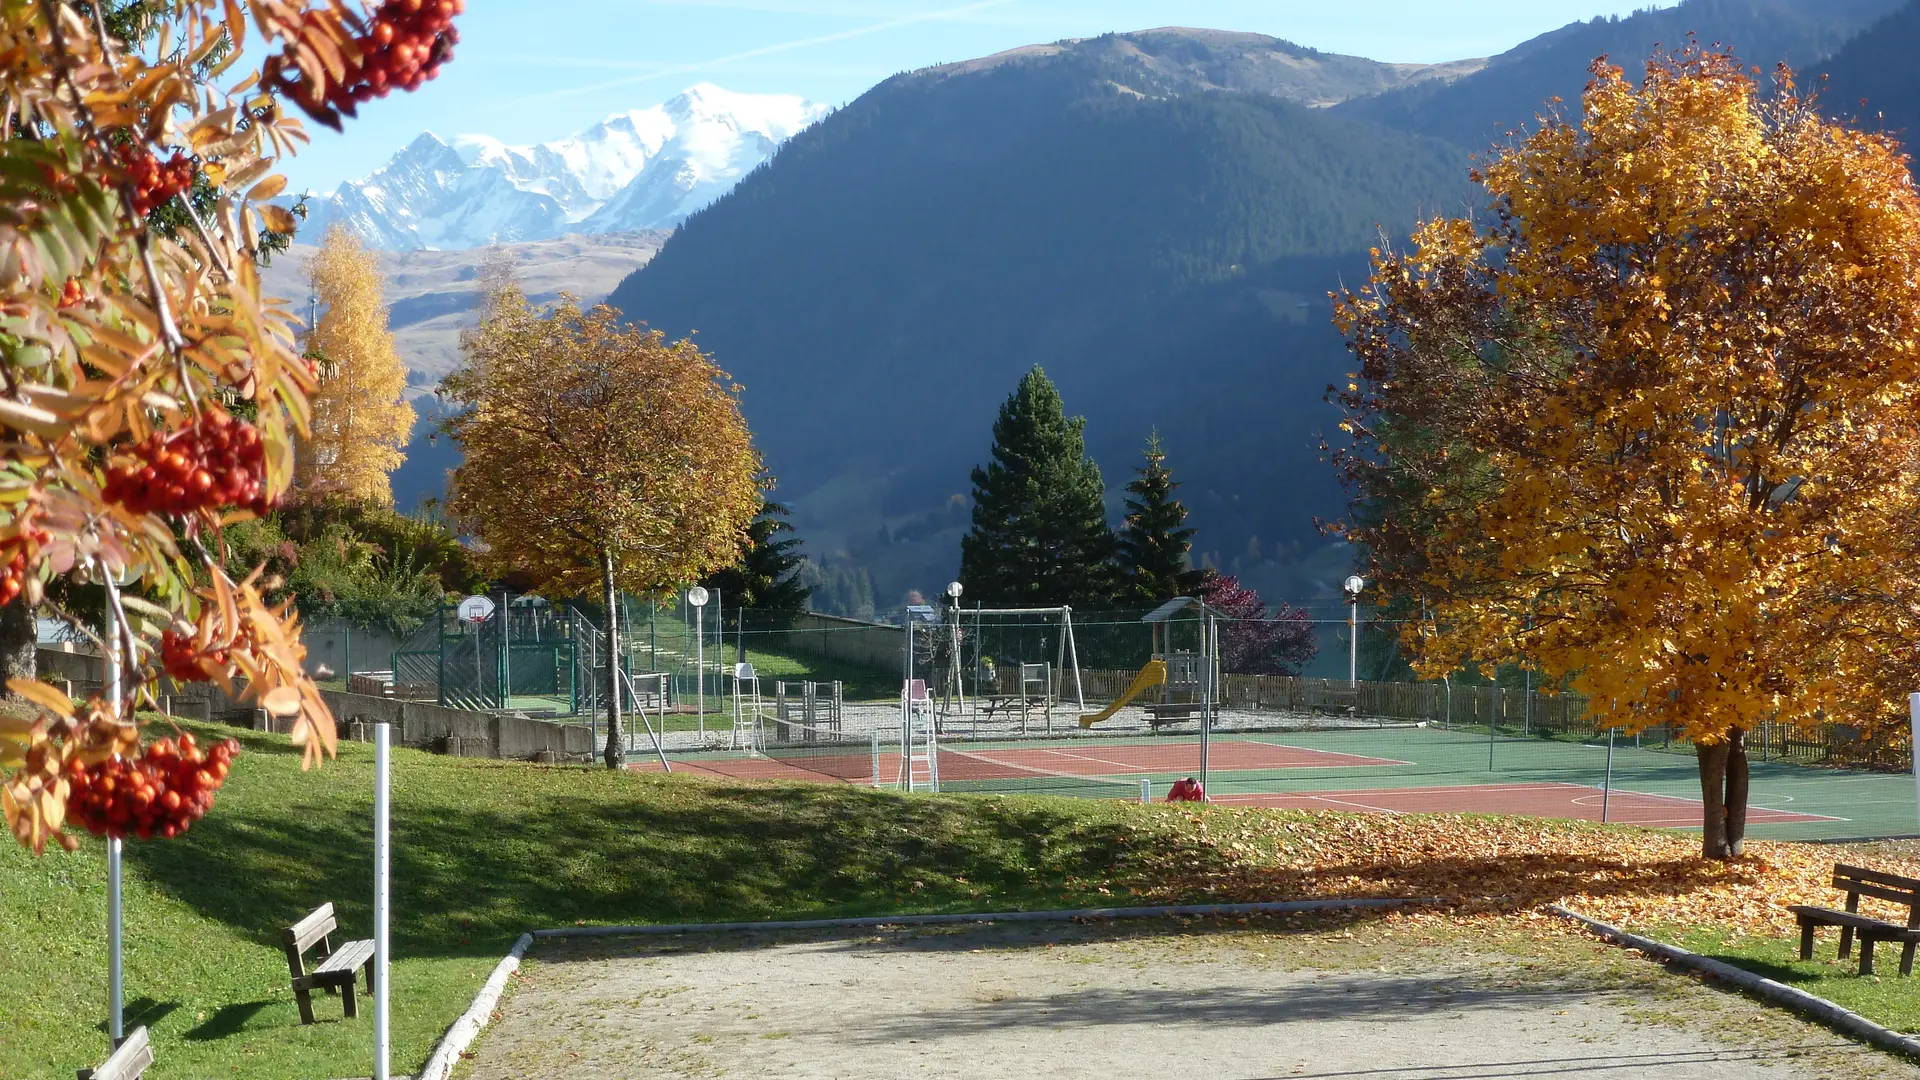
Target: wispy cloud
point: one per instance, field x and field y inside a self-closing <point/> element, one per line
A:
<point x="769" y="50"/>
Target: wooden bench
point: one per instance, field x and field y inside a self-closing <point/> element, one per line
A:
<point x="1161" y="713"/>
<point x="335" y="967"/>
<point x="1339" y="701"/>
<point x="127" y="1062"/>
<point x="1856" y="882"/>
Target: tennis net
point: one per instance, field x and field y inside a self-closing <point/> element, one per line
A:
<point x="845" y="756"/>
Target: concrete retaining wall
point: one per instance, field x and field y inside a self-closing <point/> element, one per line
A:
<point x="458" y="732"/>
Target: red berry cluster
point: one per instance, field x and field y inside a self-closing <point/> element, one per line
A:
<point x="404" y="44"/>
<point x="160" y="793"/>
<point x="14" y="572"/>
<point x="216" y="461"/>
<point x="185" y="662"/>
<point x="71" y="294"/>
<point x="155" y="183"/>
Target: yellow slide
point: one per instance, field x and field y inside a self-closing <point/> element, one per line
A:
<point x="1150" y="676"/>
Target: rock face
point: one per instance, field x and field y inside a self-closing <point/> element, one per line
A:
<point x="641" y="170"/>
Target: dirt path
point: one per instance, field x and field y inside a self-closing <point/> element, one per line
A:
<point x="1111" y="1003"/>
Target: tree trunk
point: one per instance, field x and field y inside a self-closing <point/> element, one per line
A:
<point x="616" y="752"/>
<point x="1737" y="783"/>
<point x="19" y="637"/>
<point x="1723" y="795"/>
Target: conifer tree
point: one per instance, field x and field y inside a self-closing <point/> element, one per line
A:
<point x="361" y="421"/>
<point x="1040" y="533"/>
<point x="1154" y="541"/>
<point x="766" y="578"/>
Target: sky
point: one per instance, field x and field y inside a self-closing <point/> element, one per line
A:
<point x="532" y="70"/>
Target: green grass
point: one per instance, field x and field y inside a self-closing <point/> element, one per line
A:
<point x="1887" y="998"/>
<point x="483" y="850"/>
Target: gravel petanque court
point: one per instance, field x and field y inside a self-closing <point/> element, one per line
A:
<point x="1145" y="999"/>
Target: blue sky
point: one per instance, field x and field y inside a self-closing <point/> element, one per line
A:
<point x="530" y="71"/>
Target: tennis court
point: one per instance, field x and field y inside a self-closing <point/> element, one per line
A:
<point x="1386" y="768"/>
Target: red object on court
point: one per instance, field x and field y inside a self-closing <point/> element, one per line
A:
<point x="1186" y="790"/>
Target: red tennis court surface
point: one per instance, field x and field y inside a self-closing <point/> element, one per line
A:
<point x="1535" y="800"/>
<point x="962" y="762"/>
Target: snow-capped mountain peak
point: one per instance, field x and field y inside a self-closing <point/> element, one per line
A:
<point x="644" y="169"/>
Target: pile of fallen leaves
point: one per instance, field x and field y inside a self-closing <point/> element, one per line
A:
<point x="1480" y="865"/>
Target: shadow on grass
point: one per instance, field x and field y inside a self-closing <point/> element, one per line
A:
<point x="225" y="1021"/>
<point x="486" y="850"/>
<point x="141" y="1012"/>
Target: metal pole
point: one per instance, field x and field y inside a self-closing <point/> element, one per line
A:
<point x="1493" y="715"/>
<point x="876" y="756"/>
<point x="1146" y="790"/>
<point x="700" y="668"/>
<point x="116" y="985"/>
<point x="1913" y="709"/>
<point x="1606" y="787"/>
<point x="1526" y="708"/>
<point x="1353" y="643"/>
<point x="382" y="897"/>
<point x="1209" y="641"/>
<point x="506" y="648"/>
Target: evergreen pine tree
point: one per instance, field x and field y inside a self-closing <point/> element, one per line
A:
<point x="1040" y="534"/>
<point x="1154" y="541"/>
<point x="765" y="578"/>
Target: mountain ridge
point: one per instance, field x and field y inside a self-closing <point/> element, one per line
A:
<point x="641" y="170"/>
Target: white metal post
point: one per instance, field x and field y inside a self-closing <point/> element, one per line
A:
<point x="1209" y="647"/>
<point x="1913" y="709"/>
<point x="1146" y="789"/>
<point x="1353" y="643"/>
<point x="116" y="982"/>
<point x="1606" y="787"/>
<point x="699" y="667"/>
<point x="382" y="897"/>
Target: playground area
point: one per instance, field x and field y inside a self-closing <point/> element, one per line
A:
<point x="1100" y="1001"/>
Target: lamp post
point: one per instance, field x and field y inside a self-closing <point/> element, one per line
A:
<point x="1354" y="584"/>
<point x="954" y="589"/>
<point x="697" y="596"/>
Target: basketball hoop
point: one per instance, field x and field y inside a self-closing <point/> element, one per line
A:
<point x="476" y="609"/>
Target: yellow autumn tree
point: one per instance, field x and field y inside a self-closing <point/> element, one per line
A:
<point x="361" y="418"/>
<point x="1651" y="424"/>
<point x="598" y="456"/>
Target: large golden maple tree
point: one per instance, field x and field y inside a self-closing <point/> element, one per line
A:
<point x="598" y="457"/>
<point x="1650" y="424"/>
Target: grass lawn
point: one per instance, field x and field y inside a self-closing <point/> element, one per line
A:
<point x="1887" y="998"/>
<point x="484" y="850"/>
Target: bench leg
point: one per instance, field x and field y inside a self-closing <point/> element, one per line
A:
<point x="1806" y="940"/>
<point x="369" y="977"/>
<point x="1906" y="959"/>
<point x="346" y="998"/>
<point x="1846" y="942"/>
<point x="305" y="998"/>
<point x="1866" y="955"/>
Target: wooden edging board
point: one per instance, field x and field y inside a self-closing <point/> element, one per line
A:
<point x="1776" y="993"/>
<point x="467" y="1028"/>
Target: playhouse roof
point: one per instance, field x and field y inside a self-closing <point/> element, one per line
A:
<point x="1165" y="612"/>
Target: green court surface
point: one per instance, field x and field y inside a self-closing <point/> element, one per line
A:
<point x="1403" y="768"/>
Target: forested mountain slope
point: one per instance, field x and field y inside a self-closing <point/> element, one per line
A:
<point x="1164" y="253"/>
<point x="1513" y="88"/>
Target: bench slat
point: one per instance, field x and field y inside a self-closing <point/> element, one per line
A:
<point x="1830" y="917"/>
<point x="348" y="957"/>
<point x="1878" y="877"/>
<point x="1907" y="897"/>
<point x="128" y="1062"/>
<point x="318" y="924"/>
